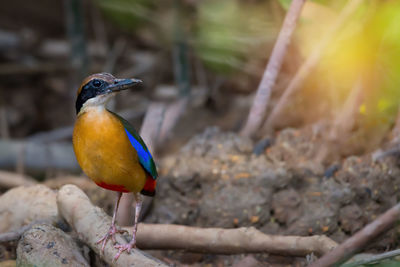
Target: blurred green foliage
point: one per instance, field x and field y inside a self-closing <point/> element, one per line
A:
<point x="378" y="55"/>
<point x="367" y="47"/>
<point x="228" y="32"/>
<point x="128" y="14"/>
<point x="221" y="33"/>
<point x="230" y="35"/>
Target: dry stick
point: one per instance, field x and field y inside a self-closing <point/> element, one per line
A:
<point x="380" y="154"/>
<point x="228" y="241"/>
<point x="374" y="258"/>
<point x="91" y="223"/>
<point x="344" y="121"/>
<point x="309" y="64"/>
<point x="259" y="107"/>
<point x="151" y="125"/>
<point x="361" y="239"/>
<point x="172" y="114"/>
<point x="11" y="179"/>
<point x="346" y="118"/>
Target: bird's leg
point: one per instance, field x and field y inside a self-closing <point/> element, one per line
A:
<point x="113" y="229"/>
<point x="132" y="243"/>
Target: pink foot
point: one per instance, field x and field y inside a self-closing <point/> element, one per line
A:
<point x="122" y="248"/>
<point x="110" y="234"/>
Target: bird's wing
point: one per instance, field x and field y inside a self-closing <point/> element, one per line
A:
<point x="145" y="158"/>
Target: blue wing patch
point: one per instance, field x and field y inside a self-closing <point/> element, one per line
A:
<point x="145" y="158"/>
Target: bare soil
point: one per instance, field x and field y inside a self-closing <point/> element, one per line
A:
<point x="216" y="180"/>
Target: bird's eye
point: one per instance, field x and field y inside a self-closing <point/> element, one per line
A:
<point x="96" y="83"/>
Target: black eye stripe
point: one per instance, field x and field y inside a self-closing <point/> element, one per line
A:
<point x="91" y="89"/>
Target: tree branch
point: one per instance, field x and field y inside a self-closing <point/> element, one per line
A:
<point x="374" y="258"/>
<point x="228" y="241"/>
<point x="260" y="103"/>
<point x="309" y="64"/>
<point x="361" y="239"/>
<point x="343" y="123"/>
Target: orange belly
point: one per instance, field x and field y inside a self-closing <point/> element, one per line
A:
<point x="105" y="153"/>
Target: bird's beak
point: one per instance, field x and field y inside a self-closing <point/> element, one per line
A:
<point x="122" y="84"/>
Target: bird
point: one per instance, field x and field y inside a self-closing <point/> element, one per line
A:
<point x="110" y="151"/>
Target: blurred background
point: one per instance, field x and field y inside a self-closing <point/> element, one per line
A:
<point x="213" y="52"/>
<point x="201" y="62"/>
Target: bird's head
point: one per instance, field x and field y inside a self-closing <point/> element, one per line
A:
<point x="98" y="88"/>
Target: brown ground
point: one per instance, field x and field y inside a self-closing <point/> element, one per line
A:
<point x="217" y="180"/>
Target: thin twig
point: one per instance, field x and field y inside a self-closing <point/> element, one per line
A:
<point x="310" y="63"/>
<point x="374" y="258"/>
<point x="344" y="121"/>
<point x="380" y="154"/>
<point x="361" y="239"/>
<point x="151" y="125"/>
<point x="171" y="117"/>
<point x="259" y="107"/>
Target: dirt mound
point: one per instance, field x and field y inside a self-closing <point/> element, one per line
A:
<point x="217" y="180"/>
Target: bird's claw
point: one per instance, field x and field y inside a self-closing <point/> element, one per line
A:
<point x="122" y="248"/>
<point x="110" y="234"/>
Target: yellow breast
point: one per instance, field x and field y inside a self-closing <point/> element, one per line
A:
<point x="104" y="151"/>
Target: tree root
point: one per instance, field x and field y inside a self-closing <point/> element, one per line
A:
<point x="22" y="205"/>
<point x="90" y="222"/>
<point x="46" y="245"/>
<point x="229" y="241"/>
<point x="360" y="239"/>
